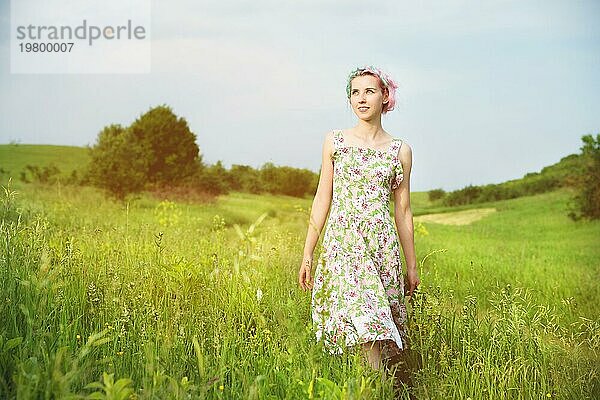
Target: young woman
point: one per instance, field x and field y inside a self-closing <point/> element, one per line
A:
<point x="358" y="290"/>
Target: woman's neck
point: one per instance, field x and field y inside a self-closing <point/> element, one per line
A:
<point x="369" y="131"/>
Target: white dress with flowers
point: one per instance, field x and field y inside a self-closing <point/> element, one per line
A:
<point x="358" y="293"/>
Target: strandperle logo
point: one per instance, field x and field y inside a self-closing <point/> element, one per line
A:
<point x="85" y="31"/>
<point x="80" y="37"/>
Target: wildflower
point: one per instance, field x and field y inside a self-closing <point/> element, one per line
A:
<point x="167" y="213"/>
<point x="259" y="294"/>
<point x="221" y="387"/>
<point x="78" y="337"/>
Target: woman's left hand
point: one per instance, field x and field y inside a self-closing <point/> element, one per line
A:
<point x="413" y="281"/>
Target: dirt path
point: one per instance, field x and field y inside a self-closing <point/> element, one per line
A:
<point x="456" y="218"/>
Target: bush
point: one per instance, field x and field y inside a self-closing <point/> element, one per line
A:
<point x="466" y="195"/>
<point x="244" y="178"/>
<point x="436" y="194"/>
<point x="168" y="146"/>
<point x="214" y="179"/>
<point x="46" y="174"/>
<point x="157" y="149"/>
<point x="287" y="180"/>
<point x="117" y="162"/>
<point x="587" y="200"/>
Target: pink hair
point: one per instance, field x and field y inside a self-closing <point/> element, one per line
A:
<point x="385" y="82"/>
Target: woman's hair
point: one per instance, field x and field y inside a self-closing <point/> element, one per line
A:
<point x="385" y="82"/>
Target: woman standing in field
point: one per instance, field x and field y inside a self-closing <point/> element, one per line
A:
<point x="358" y="290"/>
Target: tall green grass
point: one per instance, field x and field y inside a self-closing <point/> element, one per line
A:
<point x="163" y="300"/>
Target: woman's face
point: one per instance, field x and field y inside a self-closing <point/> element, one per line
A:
<point x="366" y="97"/>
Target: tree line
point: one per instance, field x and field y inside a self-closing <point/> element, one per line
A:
<point x="580" y="172"/>
<point x="158" y="150"/>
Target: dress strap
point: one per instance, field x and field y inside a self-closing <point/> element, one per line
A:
<point x="395" y="147"/>
<point x="337" y="138"/>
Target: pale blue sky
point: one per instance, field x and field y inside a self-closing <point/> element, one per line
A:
<point x="488" y="90"/>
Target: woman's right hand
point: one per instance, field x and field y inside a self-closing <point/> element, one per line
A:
<point x="304" y="279"/>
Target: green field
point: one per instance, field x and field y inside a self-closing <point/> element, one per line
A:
<point x="15" y="157"/>
<point x="182" y="303"/>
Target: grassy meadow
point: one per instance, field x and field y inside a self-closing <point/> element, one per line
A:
<point x="15" y="157"/>
<point x="156" y="299"/>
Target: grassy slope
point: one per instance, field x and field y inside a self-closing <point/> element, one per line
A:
<point x="529" y="242"/>
<point x="14" y="158"/>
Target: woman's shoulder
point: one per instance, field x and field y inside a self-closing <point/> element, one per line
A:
<point x="397" y="138"/>
<point x="330" y="141"/>
<point x="403" y="145"/>
<point x="332" y="135"/>
<point x="404" y="152"/>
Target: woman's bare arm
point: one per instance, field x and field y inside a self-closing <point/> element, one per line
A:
<point x="404" y="217"/>
<point x="322" y="200"/>
<point x="318" y="213"/>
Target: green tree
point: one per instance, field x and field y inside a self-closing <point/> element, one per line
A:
<point x="168" y="146"/>
<point x="158" y="149"/>
<point x="214" y="179"/>
<point x="244" y="178"/>
<point x="436" y="194"/>
<point x="117" y="163"/>
<point x="295" y="181"/>
<point x="467" y="195"/>
<point x="587" y="199"/>
<point x="287" y="180"/>
<point x="268" y="177"/>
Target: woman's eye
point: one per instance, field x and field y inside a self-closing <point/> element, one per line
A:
<point x="370" y="91"/>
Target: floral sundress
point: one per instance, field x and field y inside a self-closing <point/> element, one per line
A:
<point x="358" y="292"/>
